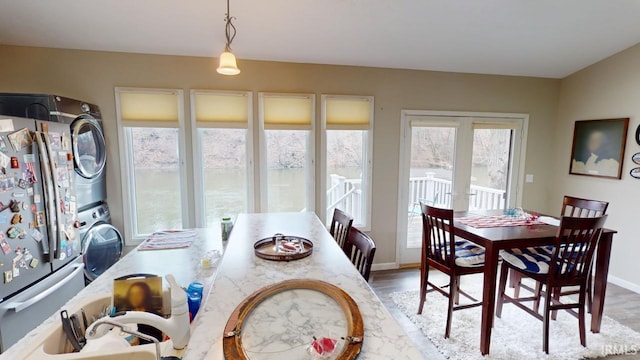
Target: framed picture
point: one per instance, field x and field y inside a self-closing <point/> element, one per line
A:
<point x="138" y="294"/>
<point x="598" y="148"/>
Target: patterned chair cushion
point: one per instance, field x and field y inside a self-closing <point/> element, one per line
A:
<point x="469" y="254"/>
<point x="532" y="259"/>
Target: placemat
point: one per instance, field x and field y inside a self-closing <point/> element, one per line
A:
<point x="496" y="221"/>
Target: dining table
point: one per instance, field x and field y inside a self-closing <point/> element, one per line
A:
<point x="508" y="236"/>
<point x="242" y="272"/>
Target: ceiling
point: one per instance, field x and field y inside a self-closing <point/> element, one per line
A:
<point x="545" y="38"/>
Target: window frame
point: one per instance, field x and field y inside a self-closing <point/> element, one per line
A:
<point x="198" y="174"/>
<point x="126" y="159"/>
<point x="367" y="172"/>
<point x="310" y="157"/>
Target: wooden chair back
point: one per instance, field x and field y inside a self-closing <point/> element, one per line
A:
<point x="340" y="225"/>
<point x="360" y="249"/>
<point x="438" y="236"/>
<point x="576" y="241"/>
<point x="583" y="208"/>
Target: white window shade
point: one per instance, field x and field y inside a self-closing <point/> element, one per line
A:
<point x="223" y="110"/>
<point x="287" y="112"/>
<point x="149" y="108"/>
<point x="348" y="113"/>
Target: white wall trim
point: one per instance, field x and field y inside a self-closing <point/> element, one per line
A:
<point x="384" y="266"/>
<point x="625" y="284"/>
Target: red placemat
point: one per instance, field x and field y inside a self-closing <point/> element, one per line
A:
<point x="496" y="221"/>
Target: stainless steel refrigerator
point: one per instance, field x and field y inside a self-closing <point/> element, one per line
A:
<point x="39" y="243"/>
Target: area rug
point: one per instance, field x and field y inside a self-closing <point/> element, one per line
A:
<point x="517" y="335"/>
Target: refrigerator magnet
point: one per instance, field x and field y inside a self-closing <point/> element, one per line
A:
<point x="40" y="219"/>
<point x="5" y="160"/>
<point x="29" y="158"/>
<point x="30" y="191"/>
<point x="20" y="139"/>
<point x="36" y="199"/>
<point x="14" y="162"/>
<point x="3" y="145"/>
<point x="16" y="271"/>
<point x="8" y="276"/>
<point x="36" y="234"/>
<point x="22" y="183"/>
<point x="15" y="206"/>
<point x="6" y="248"/>
<point x="34" y="263"/>
<point x="16" y="219"/>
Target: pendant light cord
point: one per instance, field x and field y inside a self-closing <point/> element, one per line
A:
<point x="230" y="29"/>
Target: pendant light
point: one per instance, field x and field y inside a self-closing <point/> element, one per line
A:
<point x="228" y="64"/>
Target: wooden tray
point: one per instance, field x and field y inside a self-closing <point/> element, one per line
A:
<point x="232" y="339"/>
<point x="266" y="248"/>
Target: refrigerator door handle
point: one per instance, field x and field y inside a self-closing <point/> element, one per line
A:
<point x="56" y="197"/>
<point x="48" y="190"/>
<point x="19" y="306"/>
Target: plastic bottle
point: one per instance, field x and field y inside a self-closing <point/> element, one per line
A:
<point x="226" y="225"/>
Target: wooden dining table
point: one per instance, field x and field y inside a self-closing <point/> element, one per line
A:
<point x="497" y="238"/>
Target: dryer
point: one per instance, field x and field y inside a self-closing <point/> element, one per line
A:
<point x="87" y="138"/>
<point x="102" y="243"/>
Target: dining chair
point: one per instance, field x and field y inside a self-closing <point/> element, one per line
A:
<point x="567" y="263"/>
<point x="572" y="207"/>
<point x="360" y="249"/>
<point x="340" y="225"/>
<point x="443" y="252"/>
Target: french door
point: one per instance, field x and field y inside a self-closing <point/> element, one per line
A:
<point x="460" y="161"/>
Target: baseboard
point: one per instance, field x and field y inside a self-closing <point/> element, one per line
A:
<point x="625" y="284"/>
<point x="384" y="266"/>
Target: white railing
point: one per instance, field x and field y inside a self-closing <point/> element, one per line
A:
<point x="346" y="194"/>
<point x="438" y="192"/>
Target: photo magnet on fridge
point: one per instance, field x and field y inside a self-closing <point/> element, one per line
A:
<point x="6" y="248"/>
<point x="20" y="139"/>
<point x="8" y="276"/>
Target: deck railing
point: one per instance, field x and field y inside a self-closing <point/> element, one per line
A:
<point x="346" y="194"/>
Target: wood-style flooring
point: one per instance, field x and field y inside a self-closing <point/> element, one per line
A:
<point x="620" y="304"/>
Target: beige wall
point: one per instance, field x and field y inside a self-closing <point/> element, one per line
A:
<point x="91" y="76"/>
<point x="609" y="89"/>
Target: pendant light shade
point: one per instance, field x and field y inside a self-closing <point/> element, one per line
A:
<point x="228" y="65"/>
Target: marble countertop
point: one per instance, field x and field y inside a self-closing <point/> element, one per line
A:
<point x="242" y="273"/>
<point x="184" y="264"/>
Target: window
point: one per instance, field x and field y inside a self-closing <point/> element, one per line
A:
<point x="151" y="144"/>
<point x="287" y="156"/>
<point x="347" y="142"/>
<point x="222" y="154"/>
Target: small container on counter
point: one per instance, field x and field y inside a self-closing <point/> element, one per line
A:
<point x="226" y="226"/>
<point x="194" y="298"/>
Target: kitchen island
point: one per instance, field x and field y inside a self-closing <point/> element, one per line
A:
<point x="183" y="263"/>
<point x="241" y="273"/>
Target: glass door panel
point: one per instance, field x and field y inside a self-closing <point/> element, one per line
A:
<point x="490" y="168"/>
<point x="431" y="174"/>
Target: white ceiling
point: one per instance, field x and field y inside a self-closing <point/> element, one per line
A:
<point x="546" y="38"/>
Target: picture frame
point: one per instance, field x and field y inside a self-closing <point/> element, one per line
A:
<point x="599" y="147"/>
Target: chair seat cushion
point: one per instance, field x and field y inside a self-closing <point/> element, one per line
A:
<point x="469" y="254"/>
<point x="532" y="259"/>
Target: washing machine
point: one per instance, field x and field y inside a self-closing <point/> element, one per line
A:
<point x="87" y="138"/>
<point x="102" y="243"/>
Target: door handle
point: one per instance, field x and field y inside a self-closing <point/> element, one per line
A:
<point x="19" y="306"/>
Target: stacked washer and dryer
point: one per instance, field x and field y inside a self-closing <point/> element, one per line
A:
<point x="102" y="243"/>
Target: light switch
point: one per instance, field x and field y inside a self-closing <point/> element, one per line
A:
<point x="529" y="179"/>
